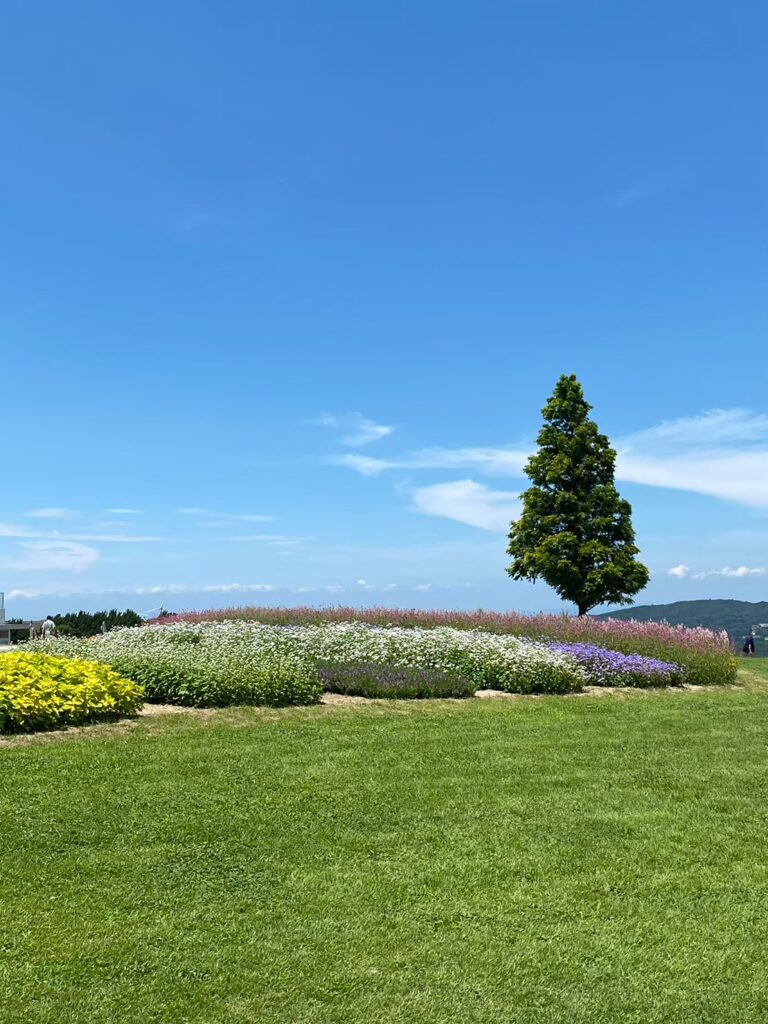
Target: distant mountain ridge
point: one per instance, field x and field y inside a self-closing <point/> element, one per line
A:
<point x="735" y="617"/>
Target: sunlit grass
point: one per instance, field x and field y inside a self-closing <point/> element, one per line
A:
<point x="561" y="859"/>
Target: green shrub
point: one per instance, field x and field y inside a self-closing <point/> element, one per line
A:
<point x="40" y="691"/>
<point x="366" y="679"/>
<point x="221" y="682"/>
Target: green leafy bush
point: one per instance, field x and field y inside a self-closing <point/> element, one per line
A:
<point x="222" y="681"/>
<point x="366" y="679"/>
<point x="41" y="691"/>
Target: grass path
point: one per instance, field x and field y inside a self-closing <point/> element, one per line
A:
<point x="599" y="859"/>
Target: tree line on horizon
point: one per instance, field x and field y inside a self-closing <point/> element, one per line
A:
<point x="82" y="623"/>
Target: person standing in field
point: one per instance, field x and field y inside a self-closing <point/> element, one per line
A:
<point x="749" y="643"/>
<point x="48" y="629"/>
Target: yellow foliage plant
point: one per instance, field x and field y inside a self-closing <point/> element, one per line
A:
<point x="41" y="691"/>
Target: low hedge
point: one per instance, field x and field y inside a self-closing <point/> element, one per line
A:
<point x="367" y="679"/>
<point x="41" y="691"/>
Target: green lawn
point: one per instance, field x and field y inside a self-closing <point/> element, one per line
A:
<point x="582" y="859"/>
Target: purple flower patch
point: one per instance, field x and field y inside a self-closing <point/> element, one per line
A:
<point x="366" y="679"/>
<point x="611" y="668"/>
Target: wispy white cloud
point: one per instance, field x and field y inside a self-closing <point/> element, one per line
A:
<point x="357" y="590"/>
<point x="125" y="511"/>
<point x="277" y="540"/>
<point x="192" y="588"/>
<point x="494" y="461"/>
<point x="734" y="476"/>
<point x="115" y="538"/>
<point x="356" y="430"/>
<point x="162" y="588"/>
<point x="741" y="572"/>
<point x="468" y="502"/>
<point x="336" y="588"/>
<point x="176" y="589"/>
<point x="24" y="532"/>
<point x="50" y="513"/>
<point x="236" y="588"/>
<point x="716" y="427"/>
<point x="722" y="453"/>
<point x="363" y="464"/>
<point x="57" y="556"/>
<point x="209" y="517"/>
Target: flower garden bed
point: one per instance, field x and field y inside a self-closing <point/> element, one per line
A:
<point x="208" y="664"/>
<point x="705" y="655"/>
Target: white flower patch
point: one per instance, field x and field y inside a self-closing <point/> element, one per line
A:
<point x="487" y="659"/>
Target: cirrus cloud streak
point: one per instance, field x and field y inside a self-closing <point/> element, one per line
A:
<point x="741" y="572"/>
<point x="722" y="453"/>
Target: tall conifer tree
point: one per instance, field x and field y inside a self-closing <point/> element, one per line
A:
<point x="575" y="531"/>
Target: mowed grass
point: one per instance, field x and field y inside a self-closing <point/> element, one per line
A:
<point x="582" y="859"/>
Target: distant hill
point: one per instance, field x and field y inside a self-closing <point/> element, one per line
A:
<point x="735" y="617"/>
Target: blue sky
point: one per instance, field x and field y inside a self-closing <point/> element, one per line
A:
<point x="284" y="288"/>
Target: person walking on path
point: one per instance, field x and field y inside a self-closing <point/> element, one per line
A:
<point x="749" y="643"/>
<point x="48" y="629"/>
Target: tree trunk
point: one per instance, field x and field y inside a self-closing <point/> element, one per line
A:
<point x="583" y="609"/>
